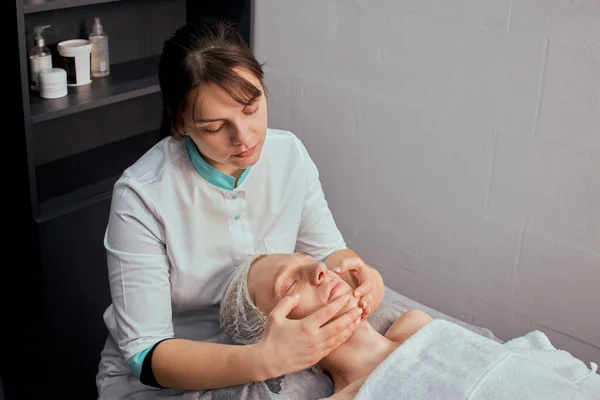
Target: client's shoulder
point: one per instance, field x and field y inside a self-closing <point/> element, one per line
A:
<point x="407" y="325"/>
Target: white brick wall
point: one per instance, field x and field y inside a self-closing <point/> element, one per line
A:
<point x="459" y="147"/>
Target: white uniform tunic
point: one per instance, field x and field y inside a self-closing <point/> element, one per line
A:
<point x="178" y="227"/>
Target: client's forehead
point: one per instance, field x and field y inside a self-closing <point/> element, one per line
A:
<point x="269" y="265"/>
<point x="281" y="259"/>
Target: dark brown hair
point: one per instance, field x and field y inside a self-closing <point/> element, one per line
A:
<point x="202" y="52"/>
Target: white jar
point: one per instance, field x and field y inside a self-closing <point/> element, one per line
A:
<point x="53" y="83"/>
<point x="76" y="55"/>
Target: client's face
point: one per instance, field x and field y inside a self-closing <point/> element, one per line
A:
<point x="278" y="275"/>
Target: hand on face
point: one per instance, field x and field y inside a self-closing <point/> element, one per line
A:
<point x="369" y="283"/>
<point x="310" y="311"/>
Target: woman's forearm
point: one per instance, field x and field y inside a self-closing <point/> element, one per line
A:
<point x="191" y="365"/>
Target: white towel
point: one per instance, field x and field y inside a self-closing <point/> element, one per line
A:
<point x="446" y="361"/>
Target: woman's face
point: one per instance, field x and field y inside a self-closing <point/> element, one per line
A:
<point x="278" y="275"/>
<point x="229" y="135"/>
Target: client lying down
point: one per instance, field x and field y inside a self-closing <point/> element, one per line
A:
<point x="417" y="358"/>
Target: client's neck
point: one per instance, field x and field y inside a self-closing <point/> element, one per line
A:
<point x="358" y="356"/>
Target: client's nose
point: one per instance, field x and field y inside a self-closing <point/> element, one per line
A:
<point x="319" y="273"/>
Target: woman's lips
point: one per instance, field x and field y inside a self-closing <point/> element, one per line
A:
<point x="335" y="288"/>
<point x="246" y="153"/>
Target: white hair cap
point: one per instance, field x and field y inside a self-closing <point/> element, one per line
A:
<point x="239" y="316"/>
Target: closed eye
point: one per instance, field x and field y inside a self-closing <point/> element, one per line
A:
<point x="250" y="112"/>
<point x="290" y="286"/>
<point x="212" y="132"/>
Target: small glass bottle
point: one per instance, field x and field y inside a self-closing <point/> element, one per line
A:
<point x="100" y="53"/>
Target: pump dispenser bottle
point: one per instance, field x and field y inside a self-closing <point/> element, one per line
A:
<point x="40" y="57"/>
<point x="100" y="59"/>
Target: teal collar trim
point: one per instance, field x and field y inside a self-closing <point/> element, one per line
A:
<point x="208" y="172"/>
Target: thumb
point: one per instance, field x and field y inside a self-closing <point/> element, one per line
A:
<point x="285" y="306"/>
<point x="348" y="265"/>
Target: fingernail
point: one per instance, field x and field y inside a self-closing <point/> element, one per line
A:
<point x="364" y="305"/>
<point x="337" y="269"/>
<point x="358" y="312"/>
<point x="357" y="294"/>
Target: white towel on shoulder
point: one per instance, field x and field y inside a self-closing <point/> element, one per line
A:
<point x="446" y="361"/>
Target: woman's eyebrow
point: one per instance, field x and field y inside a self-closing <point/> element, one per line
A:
<point x="204" y="121"/>
<point x="207" y="120"/>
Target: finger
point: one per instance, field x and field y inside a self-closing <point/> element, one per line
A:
<point x="334" y="342"/>
<point x="285" y="306"/>
<point x="344" y="321"/>
<point x="340" y="269"/>
<point x="364" y="289"/>
<point x="365" y="314"/>
<point x="366" y="301"/>
<point x="328" y="311"/>
<point x="350" y="264"/>
<point x="367" y="309"/>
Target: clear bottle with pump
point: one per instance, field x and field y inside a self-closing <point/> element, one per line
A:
<point x="100" y="53"/>
<point x="40" y="57"/>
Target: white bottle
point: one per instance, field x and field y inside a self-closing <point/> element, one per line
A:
<point x="100" y="59"/>
<point x="40" y="57"/>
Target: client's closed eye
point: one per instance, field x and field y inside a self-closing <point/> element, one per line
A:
<point x="289" y="286"/>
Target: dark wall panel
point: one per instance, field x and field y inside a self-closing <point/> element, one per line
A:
<point x="237" y="11"/>
<point x="76" y="294"/>
<point x="64" y="164"/>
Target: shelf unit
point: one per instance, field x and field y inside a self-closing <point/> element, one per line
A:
<point x="126" y="81"/>
<point x="33" y="6"/>
<point x="70" y="151"/>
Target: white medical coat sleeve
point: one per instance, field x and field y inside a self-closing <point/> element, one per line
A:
<point x="318" y="234"/>
<point x="138" y="270"/>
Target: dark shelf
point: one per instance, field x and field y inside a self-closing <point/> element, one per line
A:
<point x="126" y="81"/>
<point x="33" y="6"/>
<point x="71" y="182"/>
<point x="75" y="199"/>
